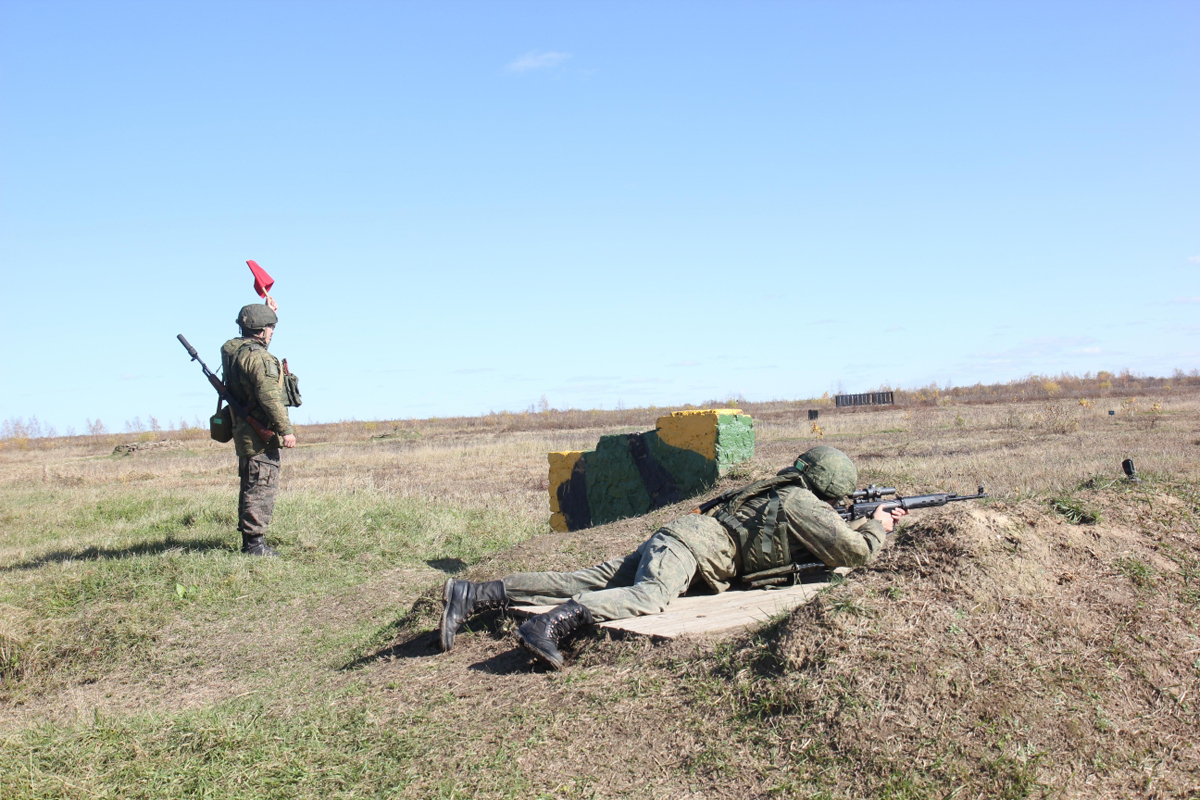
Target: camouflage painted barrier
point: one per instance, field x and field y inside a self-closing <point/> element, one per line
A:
<point x="631" y="473"/>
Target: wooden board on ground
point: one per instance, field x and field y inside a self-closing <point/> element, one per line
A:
<point x="710" y="613"/>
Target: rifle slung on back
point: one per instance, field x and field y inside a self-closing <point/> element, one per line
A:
<point x="237" y="406"/>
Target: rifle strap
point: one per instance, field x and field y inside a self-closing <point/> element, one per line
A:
<point x="790" y="574"/>
<point x="734" y="499"/>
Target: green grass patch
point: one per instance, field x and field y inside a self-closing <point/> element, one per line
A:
<point x="1138" y="571"/>
<point x="94" y="582"/>
<point x="348" y="526"/>
<point x="1074" y="510"/>
<point x="247" y="749"/>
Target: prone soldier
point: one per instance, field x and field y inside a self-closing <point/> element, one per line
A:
<point x="753" y="535"/>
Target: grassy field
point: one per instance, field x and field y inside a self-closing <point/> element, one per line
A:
<point x="1043" y="643"/>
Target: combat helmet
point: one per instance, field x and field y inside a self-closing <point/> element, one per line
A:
<point x="828" y="471"/>
<point x="256" y="316"/>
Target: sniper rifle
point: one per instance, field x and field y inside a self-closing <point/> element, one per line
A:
<point x="866" y="501"/>
<point x="235" y="405"/>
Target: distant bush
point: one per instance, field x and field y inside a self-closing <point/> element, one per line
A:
<point x="1033" y="387"/>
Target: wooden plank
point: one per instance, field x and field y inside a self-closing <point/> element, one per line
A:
<point x="709" y="613"/>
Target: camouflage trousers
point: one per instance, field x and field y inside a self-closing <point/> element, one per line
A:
<point x="643" y="582"/>
<point x="259" y="482"/>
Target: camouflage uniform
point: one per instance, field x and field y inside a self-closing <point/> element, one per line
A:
<point x="755" y="533"/>
<point x="255" y="377"/>
<point x="647" y="580"/>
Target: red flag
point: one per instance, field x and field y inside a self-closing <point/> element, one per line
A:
<point x="262" y="281"/>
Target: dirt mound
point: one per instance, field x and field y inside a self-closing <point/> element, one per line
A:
<point x="1009" y="649"/>
<point x="992" y="651"/>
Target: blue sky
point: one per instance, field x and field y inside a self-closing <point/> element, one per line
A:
<point x="469" y="206"/>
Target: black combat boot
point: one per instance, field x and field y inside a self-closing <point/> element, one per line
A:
<point x="540" y="635"/>
<point x="253" y="545"/>
<point x="463" y="599"/>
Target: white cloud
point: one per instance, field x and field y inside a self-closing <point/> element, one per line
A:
<point x="1037" y="351"/>
<point x="1186" y="300"/>
<point x="1194" y="259"/>
<point x="535" y="60"/>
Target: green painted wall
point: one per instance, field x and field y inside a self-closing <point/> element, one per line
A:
<point x="614" y="485"/>
<point x="630" y="474"/>
<point x="735" y="441"/>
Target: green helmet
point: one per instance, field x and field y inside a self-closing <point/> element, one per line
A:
<point x="256" y="316"/>
<point x="828" y="471"/>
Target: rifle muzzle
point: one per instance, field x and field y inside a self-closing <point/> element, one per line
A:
<point x="191" y="350"/>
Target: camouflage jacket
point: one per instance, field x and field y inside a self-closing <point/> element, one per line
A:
<point x="255" y="377"/>
<point x="784" y="523"/>
<point x="814" y="525"/>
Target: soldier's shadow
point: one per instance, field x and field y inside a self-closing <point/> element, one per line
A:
<point x="493" y="624"/>
<point x="132" y="551"/>
<point x="422" y="645"/>
<point x="510" y="662"/>
<point x="517" y="660"/>
<point x="428" y="643"/>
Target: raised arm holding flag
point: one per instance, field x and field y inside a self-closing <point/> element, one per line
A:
<point x="262" y="284"/>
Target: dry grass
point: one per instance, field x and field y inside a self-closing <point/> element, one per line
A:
<point x="1004" y="635"/>
<point x="997" y="650"/>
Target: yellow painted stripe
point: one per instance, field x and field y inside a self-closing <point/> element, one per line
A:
<point x="561" y="465"/>
<point x="693" y="430"/>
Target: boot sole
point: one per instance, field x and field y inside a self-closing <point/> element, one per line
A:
<point x="447" y="592"/>
<point x="545" y="659"/>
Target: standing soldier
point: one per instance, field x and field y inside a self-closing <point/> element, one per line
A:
<point x="254" y="376"/>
